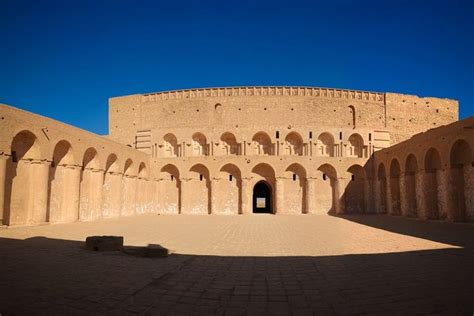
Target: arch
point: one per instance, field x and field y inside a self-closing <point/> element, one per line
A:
<point x="229" y="144"/>
<point x="262" y="200"/>
<point x="262" y="144"/>
<point x="26" y="192"/>
<point x="460" y="159"/>
<point x="170" y="190"/>
<point x="326" y="194"/>
<point x="432" y="167"/>
<point x="293" y="144"/>
<point x="111" y="188"/>
<point x="198" y="199"/>
<point x="199" y="145"/>
<point x="25" y="145"/>
<point x="395" y="186"/>
<point x="91" y="186"/>
<point x="352" y="112"/>
<point x="294" y="182"/>
<point x="128" y="167"/>
<point x="264" y="170"/>
<point x="355" y="194"/>
<point x="411" y="168"/>
<point x="382" y="188"/>
<point x="90" y="159"/>
<point x="170" y="145"/>
<point x="356" y="146"/>
<point x="64" y="183"/>
<point x="142" y="189"/>
<point x="142" y="171"/>
<point x="325" y="145"/>
<point x="227" y="191"/>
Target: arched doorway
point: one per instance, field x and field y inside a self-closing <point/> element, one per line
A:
<point x="262" y="198"/>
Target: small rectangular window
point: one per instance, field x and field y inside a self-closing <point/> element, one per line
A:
<point x="277" y="134"/>
<point x="324" y="177"/>
<point x="294" y="177"/>
<point x="370" y="137"/>
<point x="352" y="177"/>
<point x="340" y="135"/>
<point x="230" y="177"/>
<point x="200" y="177"/>
<point x="310" y="135"/>
<point x="172" y="178"/>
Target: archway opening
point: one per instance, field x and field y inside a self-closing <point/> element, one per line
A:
<point x="262" y="198"/>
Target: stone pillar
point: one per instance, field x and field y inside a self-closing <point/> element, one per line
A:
<point x="469" y="191"/>
<point x="403" y="195"/>
<point x="279" y="198"/>
<point x="377" y="195"/>
<point x="183" y="150"/>
<point x="40" y="191"/>
<point x="213" y="183"/>
<point x="310" y="153"/>
<point x="420" y="194"/>
<point x="338" y="191"/>
<point x="388" y="198"/>
<point x="310" y="195"/>
<point x="3" y="172"/>
<point x="246" y="198"/>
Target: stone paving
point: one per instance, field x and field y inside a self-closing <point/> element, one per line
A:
<point x="242" y="265"/>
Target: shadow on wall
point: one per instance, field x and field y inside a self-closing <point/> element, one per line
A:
<point x="53" y="276"/>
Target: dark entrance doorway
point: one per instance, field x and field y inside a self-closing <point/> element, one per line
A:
<point x="262" y="198"/>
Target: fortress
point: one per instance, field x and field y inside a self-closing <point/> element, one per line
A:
<point x="242" y="150"/>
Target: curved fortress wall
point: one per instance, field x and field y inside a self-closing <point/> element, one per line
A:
<point x="246" y="110"/>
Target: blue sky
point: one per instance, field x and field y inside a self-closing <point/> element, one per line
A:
<point x="63" y="59"/>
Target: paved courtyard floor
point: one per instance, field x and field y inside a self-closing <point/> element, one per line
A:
<point x="242" y="265"/>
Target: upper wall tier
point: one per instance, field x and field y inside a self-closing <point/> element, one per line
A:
<point x="235" y="108"/>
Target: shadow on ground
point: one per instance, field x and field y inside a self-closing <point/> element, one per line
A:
<point x="50" y="276"/>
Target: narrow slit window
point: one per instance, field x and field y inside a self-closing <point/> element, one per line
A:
<point x="172" y="178"/>
<point x="230" y="177"/>
<point x="277" y="134"/>
<point x="340" y="135"/>
<point x="370" y="137"/>
<point x="353" y="178"/>
<point x="200" y="177"/>
<point x="310" y="135"/>
<point x="294" y="177"/>
<point x="324" y="177"/>
<point x="14" y="156"/>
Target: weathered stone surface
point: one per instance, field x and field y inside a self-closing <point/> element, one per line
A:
<point x="104" y="243"/>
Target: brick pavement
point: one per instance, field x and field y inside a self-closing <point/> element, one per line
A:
<point x="242" y="265"/>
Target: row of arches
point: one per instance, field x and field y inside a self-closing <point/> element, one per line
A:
<point x="64" y="188"/>
<point x="195" y="191"/>
<point x="428" y="189"/>
<point x="261" y="144"/>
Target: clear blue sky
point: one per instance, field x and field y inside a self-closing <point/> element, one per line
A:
<point x="64" y="58"/>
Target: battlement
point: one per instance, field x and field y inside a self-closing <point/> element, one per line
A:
<point x="265" y="91"/>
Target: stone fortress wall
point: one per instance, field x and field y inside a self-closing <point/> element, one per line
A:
<point x="205" y="151"/>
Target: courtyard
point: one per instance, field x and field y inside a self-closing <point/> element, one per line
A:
<point x="242" y="265"/>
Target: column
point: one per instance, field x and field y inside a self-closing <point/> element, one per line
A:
<point x="388" y="198"/>
<point x="183" y="150"/>
<point x="246" y="207"/>
<point x="311" y="196"/>
<point x="40" y="191"/>
<point x="213" y="182"/>
<point x="279" y="196"/>
<point x="3" y="171"/>
<point x="403" y="195"/>
<point x="420" y="194"/>
<point x="338" y="191"/>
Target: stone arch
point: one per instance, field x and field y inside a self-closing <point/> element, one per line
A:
<point x="170" y="189"/>
<point x="460" y="160"/>
<point x="199" y="145"/>
<point x="142" y="189"/>
<point x="264" y="173"/>
<point x="92" y="178"/>
<point x="395" y="186"/>
<point x="411" y="169"/>
<point x="170" y="145"/>
<point x="197" y="199"/>
<point x="432" y="173"/>
<point x="111" y="189"/>
<point x="356" y="146"/>
<point x="64" y="182"/>
<point x="227" y="190"/>
<point x="229" y="145"/>
<point x="382" y="188"/>
<point x="262" y="144"/>
<point x="355" y="194"/>
<point x="294" y="188"/>
<point x="129" y="189"/>
<point x="26" y="183"/>
<point x="325" y="145"/>
<point x="327" y="192"/>
<point x="293" y="144"/>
